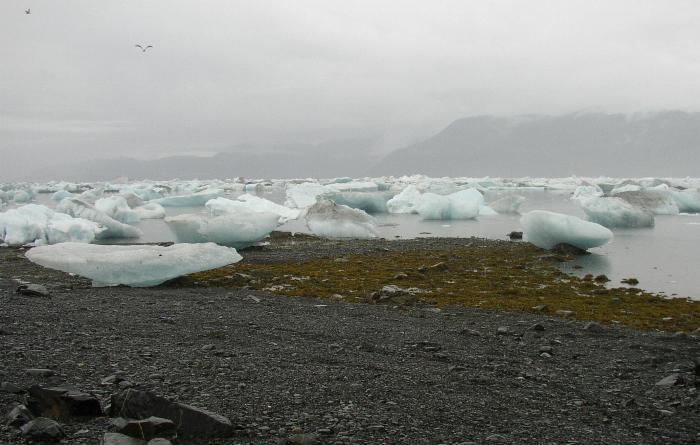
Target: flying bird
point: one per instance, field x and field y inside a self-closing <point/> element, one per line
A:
<point x="143" y="50"/>
<point x="28" y="11"/>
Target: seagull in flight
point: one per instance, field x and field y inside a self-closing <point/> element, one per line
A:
<point x="28" y="11"/>
<point x="143" y="50"/>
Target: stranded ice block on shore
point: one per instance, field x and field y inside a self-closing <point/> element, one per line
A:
<point x="137" y="266"/>
<point x="547" y="229"/>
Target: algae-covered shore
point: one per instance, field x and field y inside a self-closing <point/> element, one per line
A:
<point x="280" y="345"/>
<point x="472" y="272"/>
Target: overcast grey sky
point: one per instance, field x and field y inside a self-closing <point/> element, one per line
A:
<point x="221" y="73"/>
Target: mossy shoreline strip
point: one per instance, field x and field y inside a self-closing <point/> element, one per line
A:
<point x="472" y="272"/>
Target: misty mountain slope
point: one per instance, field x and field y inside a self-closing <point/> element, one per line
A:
<point x="658" y="144"/>
<point x="328" y="159"/>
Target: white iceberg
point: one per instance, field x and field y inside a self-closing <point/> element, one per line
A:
<point x="250" y="204"/>
<point x="330" y="220"/>
<point x="688" y="201"/>
<point x="22" y="196"/>
<point x="237" y="230"/>
<point x="507" y="204"/>
<point x="191" y="200"/>
<point x="547" y="229"/>
<point x="137" y="266"/>
<point x="657" y="202"/>
<point x="151" y="210"/>
<point x="132" y="199"/>
<point x="370" y="202"/>
<point x="406" y="201"/>
<point x="113" y="228"/>
<point x="615" y="212"/>
<point x="116" y="207"/>
<point x="303" y="195"/>
<point x="464" y="204"/>
<point x="61" y="195"/>
<point x="38" y="224"/>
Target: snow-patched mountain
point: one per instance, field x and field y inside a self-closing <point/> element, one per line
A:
<point x="663" y="143"/>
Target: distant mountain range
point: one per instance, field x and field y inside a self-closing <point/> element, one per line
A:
<point x="584" y="144"/>
<point x="590" y="144"/>
<point x="329" y="159"/>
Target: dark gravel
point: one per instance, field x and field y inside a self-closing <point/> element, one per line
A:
<point x="351" y="373"/>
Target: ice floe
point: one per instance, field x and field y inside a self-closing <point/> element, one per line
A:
<point x="547" y="229"/>
<point x="113" y="228"/>
<point x="507" y="204"/>
<point x="464" y="204"/>
<point x="237" y="230"/>
<point x="330" y="220"/>
<point x="615" y="212"/>
<point x="138" y="266"/>
<point x="33" y="223"/>
<point x="116" y="207"/>
<point x="250" y="204"/>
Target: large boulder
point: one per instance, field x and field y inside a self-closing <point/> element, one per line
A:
<point x="63" y="402"/>
<point x="189" y="420"/>
<point x="42" y="430"/>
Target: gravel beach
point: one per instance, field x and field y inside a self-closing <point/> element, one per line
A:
<point x="289" y="370"/>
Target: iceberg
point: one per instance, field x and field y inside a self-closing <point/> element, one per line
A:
<point x="507" y="204"/>
<point x="152" y="210"/>
<point x="656" y="201"/>
<point x="237" y="230"/>
<point x="464" y="204"/>
<point x="330" y="220"/>
<point x="303" y="195"/>
<point x="113" y="228"/>
<point x="616" y="212"/>
<point x="191" y="200"/>
<point x="688" y="201"/>
<point x="22" y="196"/>
<point x="370" y="202"/>
<point x="61" y="195"/>
<point x="38" y="224"/>
<point x="116" y="207"/>
<point x="547" y="229"/>
<point x="132" y="199"/>
<point x="406" y="201"/>
<point x="587" y="191"/>
<point x="138" y="266"/>
<point x="250" y="204"/>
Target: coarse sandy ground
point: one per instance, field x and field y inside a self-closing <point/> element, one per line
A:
<point x="430" y="370"/>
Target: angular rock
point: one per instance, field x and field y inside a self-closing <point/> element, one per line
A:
<point x="120" y="439"/>
<point x="300" y="439"/>
<point x="537" y="327"/>
<point x="393" y="294"/>
<point x="62" y="402"/>
<point x="19" y="415"/>
<point x="159" y="441"/>
<point x="568" y="249"/>
<point x="503" y="330"/>
<point x="565" y="313"/>
<point x="541" y="308"/>
<point x="10" y="388"/>
<point x="189" y="421"/>
<point x="42" y="429"/>
<point x="40" y="372"/>
<point x="592" y="326"/>
<point x="33" y="290"/>
<point x="146" y="429"/>
<point x="671" y="380"/>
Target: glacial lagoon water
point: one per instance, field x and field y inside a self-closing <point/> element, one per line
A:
<point x="664" y="258"/>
